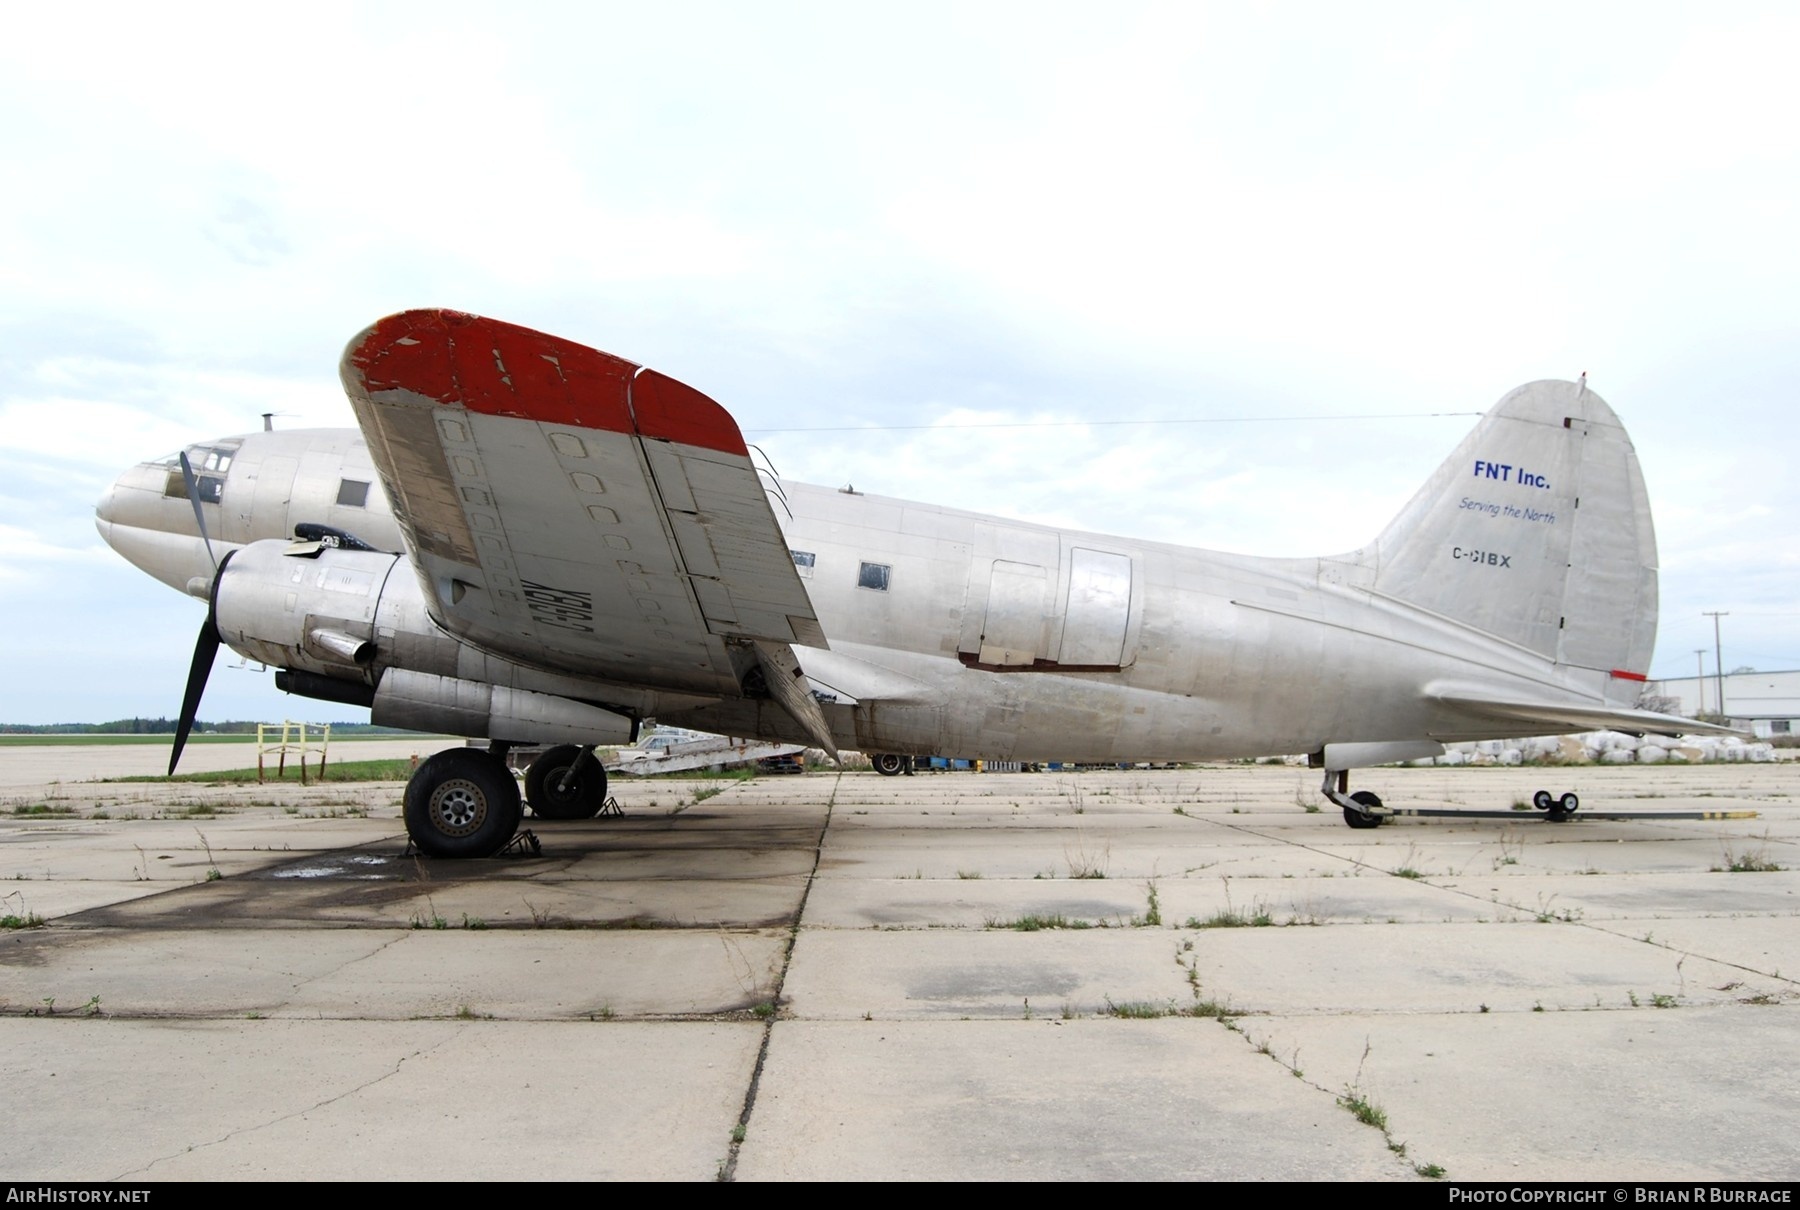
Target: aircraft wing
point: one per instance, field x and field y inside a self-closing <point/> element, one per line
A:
<point x="569" y="509"/>
<point x="1555" y="718"/>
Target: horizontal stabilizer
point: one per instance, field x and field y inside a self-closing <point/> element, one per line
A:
<point x="1553" y="719"/>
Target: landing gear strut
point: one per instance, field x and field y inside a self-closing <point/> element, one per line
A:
<point x="462" y="802"/>
<point x="1361" y="809"/>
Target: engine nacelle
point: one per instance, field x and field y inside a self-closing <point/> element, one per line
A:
<point x="352" y="626"/>
<point x="419" y="701"/>
<point x="315" y="611"/>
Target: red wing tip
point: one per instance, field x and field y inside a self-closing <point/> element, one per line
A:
<point x="491" y="366"/>
<point x="1623" y="675"/>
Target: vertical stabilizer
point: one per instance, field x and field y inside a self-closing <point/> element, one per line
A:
<point x="1537" y="530"/>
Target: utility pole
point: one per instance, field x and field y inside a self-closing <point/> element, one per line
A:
<point x="1700" y="675"/>
<point x="1718" y="658"/>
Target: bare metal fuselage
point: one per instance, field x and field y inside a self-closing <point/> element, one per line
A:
<point x="977" y="636"/>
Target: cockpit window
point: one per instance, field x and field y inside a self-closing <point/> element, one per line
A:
<point x="210" y="463"/>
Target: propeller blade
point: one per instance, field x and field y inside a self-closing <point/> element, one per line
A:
<point x="206" y="646"/>
<point x="193" y="491"/>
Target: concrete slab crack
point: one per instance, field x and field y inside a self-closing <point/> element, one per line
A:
<point x="288" y="1117"/>
<point x="728" y="1169"/>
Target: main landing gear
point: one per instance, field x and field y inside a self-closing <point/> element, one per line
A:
<point x="566" y="782"/>
<point x="465" y="802"/>
<point x="462" y="802"/>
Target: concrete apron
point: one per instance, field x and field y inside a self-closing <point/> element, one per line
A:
<point x="1182" y="974"/>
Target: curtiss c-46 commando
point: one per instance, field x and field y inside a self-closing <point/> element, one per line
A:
<point x="534" y="542"/>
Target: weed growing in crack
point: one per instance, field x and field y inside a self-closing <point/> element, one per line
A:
<point x="1358" y="1102"/>
<point x="1229" y="917"/>
<point x="1752" y="860"/>
<point x="1035" y="923"/>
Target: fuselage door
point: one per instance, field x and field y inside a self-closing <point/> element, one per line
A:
<point x="1098" y="611"/>
<point x="1013" y="633"/>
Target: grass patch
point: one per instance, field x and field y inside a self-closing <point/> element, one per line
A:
<point x="1232" y="918"/>
<point x="1139" y="1010"/>
<point x="42" y="810"/>
<point x="1034" y="923"/>
<point x="30" y="920"/>
<point x="1146" y="1010"/>
<point x="109" y="739"/>
<point x="347" y="770"/>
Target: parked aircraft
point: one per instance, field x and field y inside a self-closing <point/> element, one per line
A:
<point x="531" y="541"/>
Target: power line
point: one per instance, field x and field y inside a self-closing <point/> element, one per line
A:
<point x="1072" y="424"/>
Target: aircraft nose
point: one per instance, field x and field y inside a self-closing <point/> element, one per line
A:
<point x="154" y="531"/>
<point x="129" y="500"/>
<point x="106" y="513"/>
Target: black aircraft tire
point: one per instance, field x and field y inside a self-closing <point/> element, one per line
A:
<point x="1357" y="819"/>
<point x="462" y="803"/>
<point x="585" y="795"/>
<point x="1542" y="800"/>
<point x="889" y="764"/>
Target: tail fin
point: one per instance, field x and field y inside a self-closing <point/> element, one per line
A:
<point x="1537" y="530"/>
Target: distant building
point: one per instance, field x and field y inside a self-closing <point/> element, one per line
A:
<point x="1766" y="702"/>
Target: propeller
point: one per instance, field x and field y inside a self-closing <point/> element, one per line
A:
<point x="207" y="645"/>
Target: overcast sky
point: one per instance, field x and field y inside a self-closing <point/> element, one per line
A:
<point x="1273" y="220"/>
